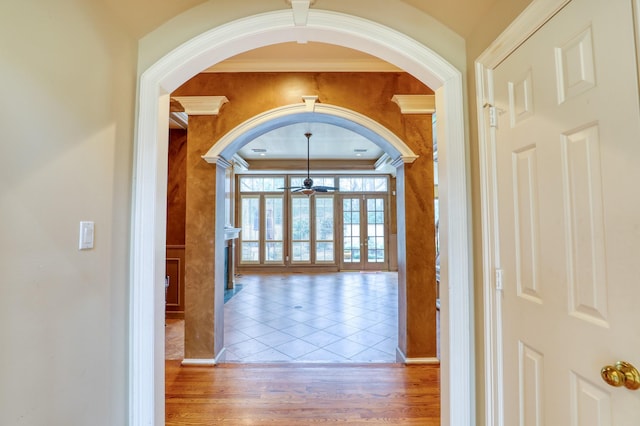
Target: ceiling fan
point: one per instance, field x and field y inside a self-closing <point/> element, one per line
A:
<point x="308" y="188"/>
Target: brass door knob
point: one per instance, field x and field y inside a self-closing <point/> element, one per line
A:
<point x="621" y="374"/>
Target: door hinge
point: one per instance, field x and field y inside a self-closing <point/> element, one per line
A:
<point x="493" y="116"/>
<point x="499" y="280"/>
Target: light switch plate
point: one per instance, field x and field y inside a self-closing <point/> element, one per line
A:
<point x="86" y="235"/>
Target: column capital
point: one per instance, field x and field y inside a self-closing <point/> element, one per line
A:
<point x="416" y="104"/>
<point x="201" y="105"/>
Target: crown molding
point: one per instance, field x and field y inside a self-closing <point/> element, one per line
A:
<point x="239" y="163"/>
<point x="416" y="104"/>
<point x="178" y="120"/>
<point x="201" y="105"/>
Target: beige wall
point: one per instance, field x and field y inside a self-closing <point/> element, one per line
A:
<point x="67" y="85"/>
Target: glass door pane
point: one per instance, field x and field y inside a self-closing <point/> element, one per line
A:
<point x="300" y="230"/>
<point x="324" y="229"/>
<point x="250" y="235"/>
<point x="273" y="238"/>
<point x="364" y="239"/>
<point x="375" y="242"/>
<point x="351" y="230"/>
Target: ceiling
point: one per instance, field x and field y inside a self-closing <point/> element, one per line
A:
<point x="327" y="142"/>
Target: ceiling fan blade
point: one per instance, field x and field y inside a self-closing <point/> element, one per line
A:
<point x="298" y="189"/>
<point x="321" y="188"/>
<point x="291" y="187"/>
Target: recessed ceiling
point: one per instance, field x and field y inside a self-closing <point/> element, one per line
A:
<point x="328" y="142"/>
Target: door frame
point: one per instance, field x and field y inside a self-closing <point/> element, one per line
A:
<point x="363" y="265"/>
<point x="527" y="23"/>
<point x="173" y="67"/>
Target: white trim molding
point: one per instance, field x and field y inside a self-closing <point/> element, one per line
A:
<point x="201" y="105"/>
<point x="532" y="18"/>
<point x="416" y="104"/>
<point x="205" y="362"/>
<point x="309" y="111"/>
<point x="146" y="326"/>
<point x="415" y="361"/>
<point x="300" y="10"/>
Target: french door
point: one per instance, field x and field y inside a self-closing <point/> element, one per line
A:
<point x="364" y="232"/>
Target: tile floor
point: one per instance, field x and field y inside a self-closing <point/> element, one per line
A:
<point x="343" y="317"/>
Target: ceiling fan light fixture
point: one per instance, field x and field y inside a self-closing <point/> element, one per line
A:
<point x="308" y="191"/>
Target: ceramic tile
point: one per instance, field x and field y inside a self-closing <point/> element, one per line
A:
<point x="275" y="338"/>
<point x="296" y="348"/>
<point x="344" y="317"/>
<point x="346" y="348"/>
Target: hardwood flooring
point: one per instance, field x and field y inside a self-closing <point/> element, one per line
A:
<point x="298" y="394"/>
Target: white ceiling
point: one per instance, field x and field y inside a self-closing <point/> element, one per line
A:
<point x="328" y="142"/>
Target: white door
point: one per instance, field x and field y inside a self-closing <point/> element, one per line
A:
<point x="568" y="178"/>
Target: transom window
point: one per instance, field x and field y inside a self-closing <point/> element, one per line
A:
<point x="317" y="180"/>
<point x="261" y="183"/>
<point x="363" y="184"/>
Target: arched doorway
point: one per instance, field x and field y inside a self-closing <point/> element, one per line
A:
<point x="147" y="293"/>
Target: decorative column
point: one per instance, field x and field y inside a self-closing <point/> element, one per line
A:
<point x="204" y="239"/>
<point x="417" y="338"/>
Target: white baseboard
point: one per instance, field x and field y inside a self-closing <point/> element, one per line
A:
<point x="204" y="362"/>
<point x="400" y="356"/>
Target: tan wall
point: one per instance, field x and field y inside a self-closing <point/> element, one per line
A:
<point x="68" y="89"/>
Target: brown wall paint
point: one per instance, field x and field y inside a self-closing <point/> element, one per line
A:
<point x="177" y="187"/>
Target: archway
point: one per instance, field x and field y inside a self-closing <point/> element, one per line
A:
<point x="321" y="113"/>
<point x="146" y="369"/>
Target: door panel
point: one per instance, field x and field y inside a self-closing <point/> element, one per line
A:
<point x="567" y="152"/>
<point x="364" y="236"/>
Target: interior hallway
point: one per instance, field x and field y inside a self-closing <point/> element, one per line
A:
<point x="332" y="317"/>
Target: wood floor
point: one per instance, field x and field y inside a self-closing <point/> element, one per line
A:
<point x="298" y="394"/>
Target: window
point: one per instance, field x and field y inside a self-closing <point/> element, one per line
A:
<point x="250" y="234"/>
<point x="261" y="184"/>
<point x="363" y="184"/>
<point x="317" y="180"/>
<point x="324" y="229"/>
<point x="273" y="229"/>
<point x="300" y="229"/>
<point x="284" y="227"/>
<point x="261" y="220"/>
<point x="351" y="229"/>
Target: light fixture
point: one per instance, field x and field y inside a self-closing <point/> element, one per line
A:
<point x="307" y="187"/>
